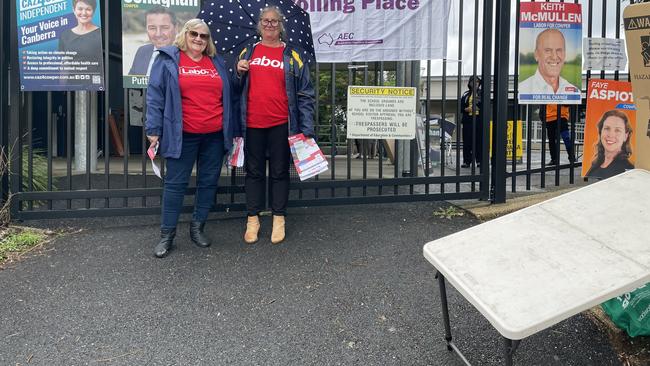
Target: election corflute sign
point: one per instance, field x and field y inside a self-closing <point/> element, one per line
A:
<point x="59" y="45"/>
<point x="550" y="53"/>
<point x="610" y="126"/>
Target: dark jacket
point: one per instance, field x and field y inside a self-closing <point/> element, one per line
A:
<point x="467" y="118"/>
<point x="164" y="112"/>
<point x="300" y="92"/>
<point x="618" y="166"/>
<point x="141" y="60"/>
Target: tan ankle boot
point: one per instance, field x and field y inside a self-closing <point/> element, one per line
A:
<point x="277" y="235"/>
<point x="252" y="228"/>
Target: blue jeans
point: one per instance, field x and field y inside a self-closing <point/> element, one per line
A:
<point x="207" y="150"/>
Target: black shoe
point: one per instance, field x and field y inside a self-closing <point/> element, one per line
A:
<point x="166" y="243"/>
<point x="551" y="163"/>
<point x="197" y="235"/>
<point x="465" y="165"/>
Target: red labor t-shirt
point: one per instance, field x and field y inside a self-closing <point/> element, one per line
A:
<point x="201" y="92"/>
<point x="267" y="96"/>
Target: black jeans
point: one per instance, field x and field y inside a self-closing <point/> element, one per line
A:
<point x="551" y="130"/>
<point x="471" y="129"/>
<point x="259" y="142"/>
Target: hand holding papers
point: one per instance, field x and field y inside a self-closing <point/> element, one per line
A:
<point x="236" y="156"/>
<point x="307" y="156"/>
<point x="152" y="151"/>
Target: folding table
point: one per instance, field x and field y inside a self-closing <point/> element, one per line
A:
<point x="533" y="268"/>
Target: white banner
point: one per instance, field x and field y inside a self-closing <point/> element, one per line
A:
<point x="378" y="30"/>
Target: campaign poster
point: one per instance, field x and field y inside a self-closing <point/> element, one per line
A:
<point x="146" y="27"/>
<point x="610" y="129"/>
<point x="636" y="19"/>
<point x="550" y="53"/>
<point x="60" y="45"/>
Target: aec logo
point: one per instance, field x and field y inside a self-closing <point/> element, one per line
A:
<point x="329" y="38"/>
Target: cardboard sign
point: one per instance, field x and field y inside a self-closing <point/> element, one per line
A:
<point x="636" y="19"/>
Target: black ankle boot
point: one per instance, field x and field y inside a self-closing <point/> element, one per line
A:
<point x="166" y="243"/>
<point x="197" y="235"/>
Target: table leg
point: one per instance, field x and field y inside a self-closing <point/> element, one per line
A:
<point x="445" y="309"/>
<point x="509" y="348"/>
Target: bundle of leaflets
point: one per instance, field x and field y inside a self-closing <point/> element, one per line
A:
<point x="236" y="156"/>
<point x="152" y="151"/>
<point x="307" y="156"/>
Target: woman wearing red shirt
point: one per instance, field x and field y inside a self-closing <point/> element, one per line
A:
<point x="277" y="100"/>
<point x="188" y="114"/>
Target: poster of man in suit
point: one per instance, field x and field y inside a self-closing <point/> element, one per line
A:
<point x="145" y="29"/>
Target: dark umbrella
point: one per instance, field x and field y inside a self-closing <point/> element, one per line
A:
<point x="233" y="24"/>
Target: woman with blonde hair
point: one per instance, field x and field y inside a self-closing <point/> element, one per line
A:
<point x="188" y="117"/>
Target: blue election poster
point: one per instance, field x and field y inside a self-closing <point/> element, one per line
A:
<point x="60" y="45"/>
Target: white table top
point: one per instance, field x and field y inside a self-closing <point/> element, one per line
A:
<point x="538" y="266"/>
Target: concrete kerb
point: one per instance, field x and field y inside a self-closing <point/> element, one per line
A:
<point x="484" y="210"/>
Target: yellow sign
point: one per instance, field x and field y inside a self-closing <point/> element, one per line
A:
<point x="520" y="152"/>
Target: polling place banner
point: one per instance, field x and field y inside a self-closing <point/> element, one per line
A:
<point x="636" y="19"/>
<point x="147" y="26"/>
<point x="550" y="53"/>
<point x="58" y="48"/>
<point x="607" y="99"/>
<point x="378" y="30"/>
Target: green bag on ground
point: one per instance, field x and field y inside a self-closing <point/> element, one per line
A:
<point x="631" y="311"/>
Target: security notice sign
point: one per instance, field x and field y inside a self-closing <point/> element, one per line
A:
<point x="379" y="112"/>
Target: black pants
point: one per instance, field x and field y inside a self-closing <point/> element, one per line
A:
<point x="471" y="129"/>
<point x="551" y="131"/>
<point x="259" y="142"/>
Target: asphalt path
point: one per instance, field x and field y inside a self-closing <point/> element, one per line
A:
<point x="349" y="286"/>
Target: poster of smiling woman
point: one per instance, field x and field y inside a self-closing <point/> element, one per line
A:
<point x="550" y="53"/>
<point x="60" y="45"/>
<point x="610" y="126"/>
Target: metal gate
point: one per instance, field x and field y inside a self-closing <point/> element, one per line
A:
<point x="77" y="154"/>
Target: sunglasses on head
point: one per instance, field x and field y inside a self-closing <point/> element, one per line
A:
<point x="194" y="34"/>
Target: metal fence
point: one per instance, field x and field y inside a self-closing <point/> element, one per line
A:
<point x="81" y="154"/>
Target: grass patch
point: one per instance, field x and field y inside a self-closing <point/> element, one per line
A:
<point x="16" y="240"/>
<point x="449" y="212"/>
